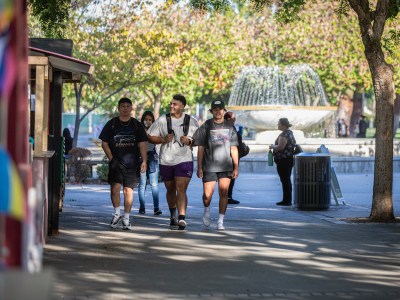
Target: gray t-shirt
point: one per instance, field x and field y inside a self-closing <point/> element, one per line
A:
<point x="217" y="154"/>
<point x="174" y="152"/>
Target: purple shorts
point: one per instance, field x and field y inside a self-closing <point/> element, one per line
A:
<point x="168" y="173"/>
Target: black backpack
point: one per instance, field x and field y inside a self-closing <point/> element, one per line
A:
<point x="186" y="123"/>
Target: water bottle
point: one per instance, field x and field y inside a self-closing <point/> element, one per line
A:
<point x="270" y="158"/>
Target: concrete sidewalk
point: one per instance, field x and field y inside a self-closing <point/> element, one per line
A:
<point x="266" y="251"/>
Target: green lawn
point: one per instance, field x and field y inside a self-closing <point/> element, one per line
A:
<point x="371" y="133"/>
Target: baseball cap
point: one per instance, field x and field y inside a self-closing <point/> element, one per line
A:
<point x="217" y="103"/>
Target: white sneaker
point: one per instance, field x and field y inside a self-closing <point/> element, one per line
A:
<point x="182" y="225"/>
<point x="220" y="226"/>
<point x="207" y="220"/>
<point x="126" y="224"/>
<point x="115" y="220"/>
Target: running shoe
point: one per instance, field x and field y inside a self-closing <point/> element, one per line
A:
<point x="126" y="224"/>
<point x="157" y="212"/>
<point x="182" y="224"/>
<point x="115" y="220"/>
<point x="173" y="224"/>
<point x="207" y="220"/>
<point x="220" y="226"/>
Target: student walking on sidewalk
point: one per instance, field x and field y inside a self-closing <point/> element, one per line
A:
<point x="123" y="138"/>
<point x="174" y="132"/>
<point x="217" y="160"/>
<point x="152" y="170"/>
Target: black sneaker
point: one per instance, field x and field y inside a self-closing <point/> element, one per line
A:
<point x="182" y="225"/>
<point x="142" y="211"/>
<point x="173" y="225"/>
<point x="157" y="212"/>
<point x="284" y="203"/>
<point x="115" y="220"/>
<point x="232" y="201"/>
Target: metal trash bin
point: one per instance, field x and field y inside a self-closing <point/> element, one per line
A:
<point x="312" y="184"/>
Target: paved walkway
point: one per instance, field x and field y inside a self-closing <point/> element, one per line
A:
<point x="266" y="252"/>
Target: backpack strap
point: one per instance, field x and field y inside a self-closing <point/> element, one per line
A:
<point x="169" y="123"/>
<point x="207" y="127"/>
<point x="186" y="123"/>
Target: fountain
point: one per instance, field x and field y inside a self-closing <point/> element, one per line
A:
<point x="262" y="95"/>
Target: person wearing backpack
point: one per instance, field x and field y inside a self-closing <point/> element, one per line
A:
<point x="124" y="142"/>
<point x="283" y="152"/>
<point x="217" y="160"/>
<point x="174" y="132"/>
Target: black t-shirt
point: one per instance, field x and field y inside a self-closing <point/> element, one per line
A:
<point x="123" y="139"/>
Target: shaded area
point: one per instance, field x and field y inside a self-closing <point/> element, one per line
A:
<point x="266" y="252"/>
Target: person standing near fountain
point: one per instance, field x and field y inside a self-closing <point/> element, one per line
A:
<point x="217" y="160"/>
<point x="283" y="151"/>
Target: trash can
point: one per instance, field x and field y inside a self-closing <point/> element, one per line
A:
<point x="312" y="184"/>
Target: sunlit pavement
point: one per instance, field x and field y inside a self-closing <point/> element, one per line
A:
<point x="266" y="251"/>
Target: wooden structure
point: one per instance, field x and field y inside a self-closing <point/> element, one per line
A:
<point x="49" y="70"/>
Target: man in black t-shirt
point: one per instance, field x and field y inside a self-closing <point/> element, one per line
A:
<point x="124" y="142"/>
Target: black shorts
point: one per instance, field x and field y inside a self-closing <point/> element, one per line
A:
<point x="214" y="176"/>
<point x="118" y="173"/>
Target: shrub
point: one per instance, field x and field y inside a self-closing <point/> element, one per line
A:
<point x="102" y="170"/>
<point x="79" y="164"/>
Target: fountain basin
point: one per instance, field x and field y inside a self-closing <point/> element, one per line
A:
<point x="265" y="117"/>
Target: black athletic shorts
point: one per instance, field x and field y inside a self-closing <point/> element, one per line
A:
<point x="213" y="176"/>
<point x="118" y="173"/>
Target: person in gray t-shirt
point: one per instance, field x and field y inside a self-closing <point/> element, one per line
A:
<point x="217" y="159"/>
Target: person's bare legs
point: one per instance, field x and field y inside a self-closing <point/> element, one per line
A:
<point x="223" y="187"/>
<point x="115" y="194"/>
<point x="172" y="202"/>
<point x="208" y="191"/>
<point x="128" y="199"/>
<point x="181" y="184"/>
<point x="116" y="201"/>
<point x="171" y="193"/>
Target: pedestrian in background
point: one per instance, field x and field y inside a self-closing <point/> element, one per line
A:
<point x="67" y="142"/>
<point x="283" y="152"/>
<point x="123" y="141"/>
<point x="152" y="170"/>
<point x="217" y="160"/>
<point x="362" y="127"/>
<point x="243" y="150"/>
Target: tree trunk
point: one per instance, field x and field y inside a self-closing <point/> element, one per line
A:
<point x="78" y="95"/>
<point x="372" y="26"/>
<point x="157" y="105"/>
<point x="382" y="204"/>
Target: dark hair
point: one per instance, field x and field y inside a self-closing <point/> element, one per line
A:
<point x="124" y="100"/>
<point x="180" y="97"/>
<point x="147" y="113"/>
<point x="66" y="133"/>
<point x="228" y="115"/>
<point x="285" y="122"/>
